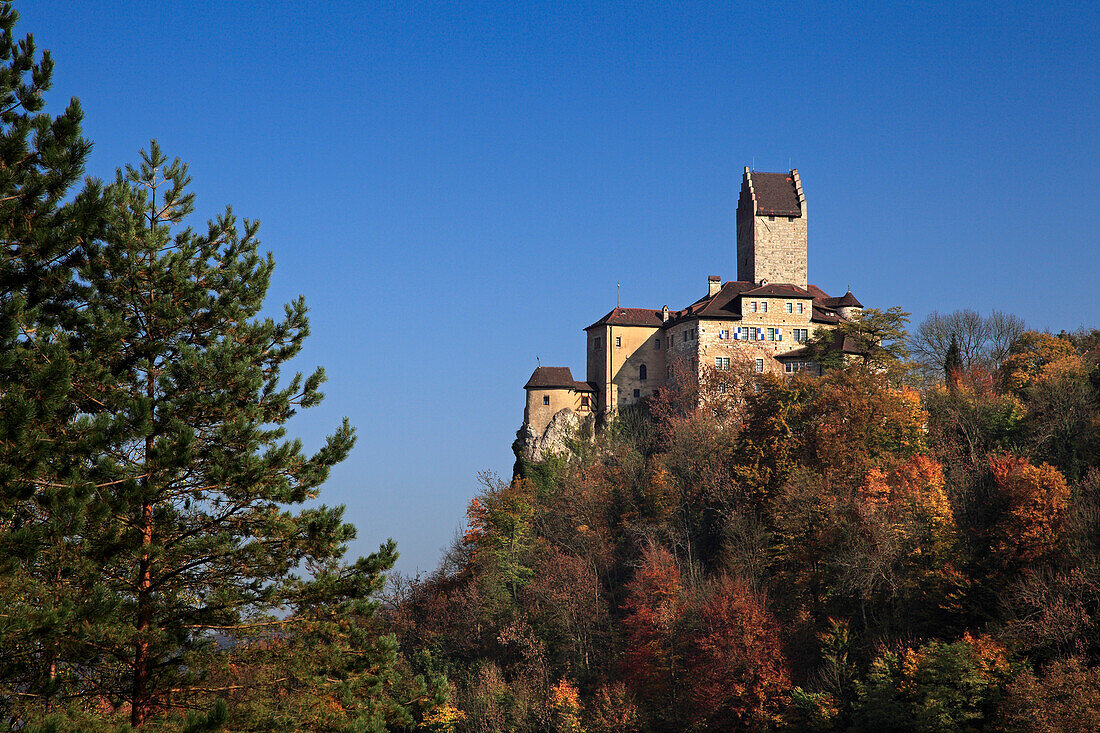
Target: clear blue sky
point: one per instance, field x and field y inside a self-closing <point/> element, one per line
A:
<point x="458" y="187"/>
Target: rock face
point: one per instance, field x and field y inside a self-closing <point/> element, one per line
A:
<point x="565" y="424"/>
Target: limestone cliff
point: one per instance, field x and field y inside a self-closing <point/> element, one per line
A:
<point x="564" y="425"/>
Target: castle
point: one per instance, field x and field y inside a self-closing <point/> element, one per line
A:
<point x="763" y="316"/>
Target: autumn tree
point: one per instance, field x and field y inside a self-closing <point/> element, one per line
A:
<point x="936" y="687"/>
<point x="652" y="653"/>
<point x="1028" y="354"/>
<point x="735" y="674"/>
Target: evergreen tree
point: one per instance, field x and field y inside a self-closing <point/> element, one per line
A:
<point x="952" y="362"/>
<point x="198" y="540"/>
<point x="44" y="495"/>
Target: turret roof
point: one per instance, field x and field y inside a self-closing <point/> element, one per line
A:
<point x="556" y="378"/>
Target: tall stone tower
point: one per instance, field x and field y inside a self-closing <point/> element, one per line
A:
<point x="771" y="228"/>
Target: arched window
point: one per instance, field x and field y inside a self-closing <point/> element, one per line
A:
<point x="641" y="372"/>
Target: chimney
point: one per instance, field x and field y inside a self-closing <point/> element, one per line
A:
<point x="664" y="314"/>
<point x="714" y="284"/>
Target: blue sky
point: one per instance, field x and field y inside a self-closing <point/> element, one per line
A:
<point x="456" y="188"/>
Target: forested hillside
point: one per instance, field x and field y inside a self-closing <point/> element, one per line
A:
<point x="868" y="550"/>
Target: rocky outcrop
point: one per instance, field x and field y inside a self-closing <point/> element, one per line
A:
<point x="564" y="425"/>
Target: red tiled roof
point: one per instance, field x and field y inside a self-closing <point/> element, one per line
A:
<point x="551" y="377"/>
<point x="630" y="317"/>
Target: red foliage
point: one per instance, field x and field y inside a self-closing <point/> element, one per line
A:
<point x="736" y="674"/>
<point x="655" y="606"/>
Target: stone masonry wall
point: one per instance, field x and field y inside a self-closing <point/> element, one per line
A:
<point x="778" y="251"/>
<point x="709" y="345"/>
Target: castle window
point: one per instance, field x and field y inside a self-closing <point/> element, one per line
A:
<point x="657" y="344"/>
<point x="642" y="372"/>
<point x="790" y="307"/>
<point x="546" y="399"/>
<point x="771" y="335"/>
<point x="721" y="362"/>
<point x="752" y="306"/>
<point x="637" y="393"/>
<point x="584" y="402"/>
<point x="618" y="340"/>
<point x="724" y="333"/>
<point x="754" y="334"/>
<point x="764" y="307"/>
<point x="799" y="307"/>
<point x="760" y="365"/>
<point x="788" y="367"/>
<point x="721" y="388"/>
<point x="801" y="334"/>
<point x="771" y="218"/>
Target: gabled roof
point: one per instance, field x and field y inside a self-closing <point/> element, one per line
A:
<point x="630" y="317"/>
<point x="775" y="194"/>
<point x="779" y="290"/>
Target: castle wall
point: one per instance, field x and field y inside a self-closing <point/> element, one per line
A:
<point x="710" y="345"/>
<point x="538" y="414"/>
<point x="622" y="361"/>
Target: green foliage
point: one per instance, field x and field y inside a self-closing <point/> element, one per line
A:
<point x="939" y="687"/>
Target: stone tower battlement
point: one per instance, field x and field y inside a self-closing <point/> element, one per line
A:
<point x="771" y="229"/>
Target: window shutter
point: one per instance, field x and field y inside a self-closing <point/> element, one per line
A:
<point x="778" y="335"/>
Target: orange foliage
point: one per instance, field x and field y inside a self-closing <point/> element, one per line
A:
<point x="914" y="486"/>
<point x="1029" y="353"/>
<point x="565" y="707"/>
<point x="1036" y="499"/>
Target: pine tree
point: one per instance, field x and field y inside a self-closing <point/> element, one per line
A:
<point x="952" y="363"/>
<point x="44" y="495"/>
<point x="199" y="540"/>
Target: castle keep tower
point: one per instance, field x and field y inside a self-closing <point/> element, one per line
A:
<point x="771" y="229"/>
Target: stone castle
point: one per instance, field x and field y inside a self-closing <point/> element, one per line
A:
<point x="764" y="317"/>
